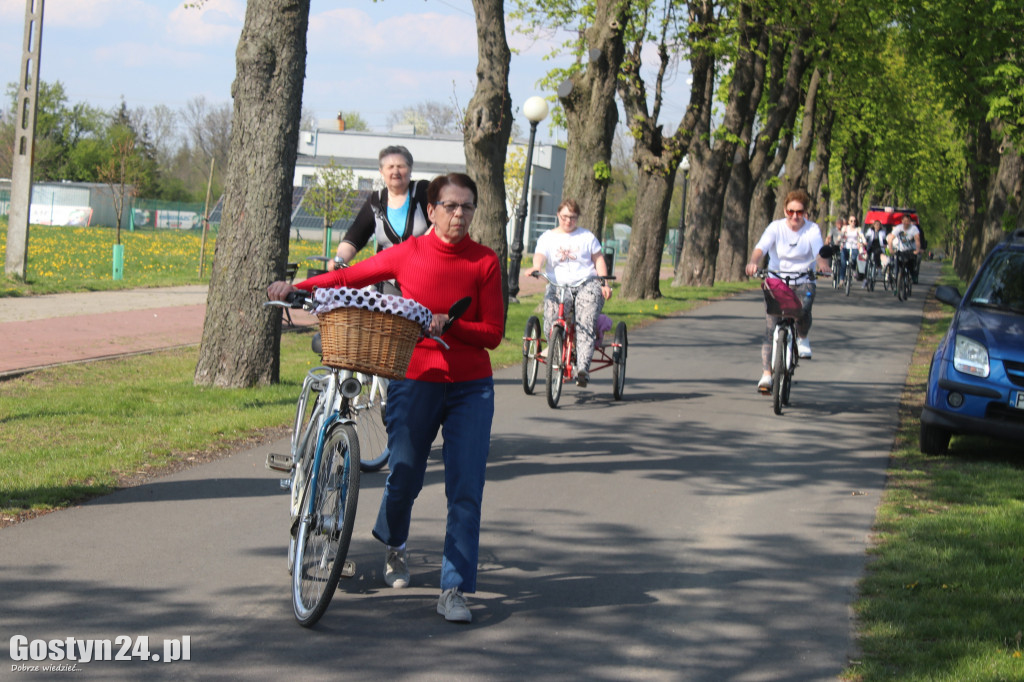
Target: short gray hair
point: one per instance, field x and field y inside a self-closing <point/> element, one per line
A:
<point x="395" y="149"/>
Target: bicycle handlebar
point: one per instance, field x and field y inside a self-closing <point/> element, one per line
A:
<point x="765" y="272"/>
<point x="538" y="274"/>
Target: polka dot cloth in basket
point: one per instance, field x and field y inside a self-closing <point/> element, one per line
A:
<point x="373" y="300"/>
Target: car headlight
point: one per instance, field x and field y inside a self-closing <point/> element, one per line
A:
<point x="970" y="357"/>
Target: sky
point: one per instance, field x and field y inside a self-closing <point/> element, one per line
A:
<point x="363" y="56"/>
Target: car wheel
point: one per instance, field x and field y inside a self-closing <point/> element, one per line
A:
<point x="934" y="440"/>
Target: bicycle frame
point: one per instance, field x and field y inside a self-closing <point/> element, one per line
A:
<point x="600" y="360"/>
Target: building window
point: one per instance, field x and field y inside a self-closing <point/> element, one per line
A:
<point x="307" y="180"/>
<point x="365" y="184"/>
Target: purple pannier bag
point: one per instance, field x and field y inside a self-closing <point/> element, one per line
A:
<point x="780" y="298"/>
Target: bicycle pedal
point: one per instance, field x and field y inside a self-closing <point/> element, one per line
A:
<point x="282" y="463"/>
<point x="348" y="570"/>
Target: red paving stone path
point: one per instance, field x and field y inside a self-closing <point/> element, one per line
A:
<point x="74" y="330"/>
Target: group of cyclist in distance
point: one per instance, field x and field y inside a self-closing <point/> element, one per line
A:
<point x="423" y="246"/>
<point x="904" y="240"/>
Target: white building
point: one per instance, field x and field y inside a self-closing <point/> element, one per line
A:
<point x="432" y="155"/>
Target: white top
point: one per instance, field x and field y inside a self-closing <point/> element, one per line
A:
<point x="904" y="244"/>
<point x="790" y="251"/>
<point x="569" y="257"/>
<point x="852" y="236"/>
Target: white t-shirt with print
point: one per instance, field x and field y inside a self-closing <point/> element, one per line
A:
<point x="907" y="244"/>
<point x="569" y="257"/>
<point x="790" y="251"/>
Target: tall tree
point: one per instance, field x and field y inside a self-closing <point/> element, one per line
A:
<point x="488" y="124"/>
<point x="711" y="155"/>
<point x="241" y="339"/>
<point x="655" y="154"/>
<point x="586" y="91"/>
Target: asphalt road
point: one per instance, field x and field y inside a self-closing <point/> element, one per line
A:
<point x="684" y="533"/>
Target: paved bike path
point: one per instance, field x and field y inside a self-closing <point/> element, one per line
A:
<point x="684" y="533"/>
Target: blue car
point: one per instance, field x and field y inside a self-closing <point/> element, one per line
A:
<point x="976" y="379"/>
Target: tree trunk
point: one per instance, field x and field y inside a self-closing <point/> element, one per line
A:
<point x="647" y="241"/>
<point x="241" y="339"/>
<point x="588" y="99"/>
<point x="488" y="124"/>
<point x="817" y="180"/>
<point x="975" y="200"/>
<point x="798" y="160"/>
<point x="732" y="249"/>
<point x="1004" y="197"/>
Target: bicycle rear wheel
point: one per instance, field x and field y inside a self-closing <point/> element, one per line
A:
<point x="619" y="361"/>
<point x="556" y="365"/>
<point x="368" y="410"/>
<point x="778" y="367"/>
<point x="326" y="529"/>
<point x="531" y="352"/>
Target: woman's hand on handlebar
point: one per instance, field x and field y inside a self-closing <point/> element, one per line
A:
<point x="278" y="291"/>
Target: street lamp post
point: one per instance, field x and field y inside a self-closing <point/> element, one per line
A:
<point x="685" y="166"/>
<point x="536" y="109"/>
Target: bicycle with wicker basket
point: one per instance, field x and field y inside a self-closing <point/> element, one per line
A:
<point x="362" y="335"/>
<point x="781" y="301"/>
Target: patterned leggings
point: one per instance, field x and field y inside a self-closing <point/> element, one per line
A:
<point x="589" y="303"/>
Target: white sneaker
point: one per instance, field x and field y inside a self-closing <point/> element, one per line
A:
<point x="582" y="378"/>
<point x="803" y="347"/>
<point x="452" y="605"/>
<point x="396" y="568"/>
<point x="765" y="384"/>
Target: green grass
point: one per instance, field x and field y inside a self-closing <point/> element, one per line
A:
<point x="62" y="259"/>
<point x="943" y="597"/>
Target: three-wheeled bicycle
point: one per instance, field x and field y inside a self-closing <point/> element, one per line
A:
<point x="560" y="358"/>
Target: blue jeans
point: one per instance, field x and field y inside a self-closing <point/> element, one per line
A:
<point x="848" y="257"/>
<point x="463" y="411"/>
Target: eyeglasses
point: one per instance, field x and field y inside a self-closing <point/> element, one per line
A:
<point x="568" y="217"/>
<point x="795" y="213"/>
<point x="450" y="207"/>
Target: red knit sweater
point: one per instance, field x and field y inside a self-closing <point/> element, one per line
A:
<point x="436" y="274"/>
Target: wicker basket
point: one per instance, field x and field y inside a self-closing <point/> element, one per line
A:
<point x="368" y="341"/>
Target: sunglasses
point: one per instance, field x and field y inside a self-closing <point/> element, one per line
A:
<point x="795" y="213"/>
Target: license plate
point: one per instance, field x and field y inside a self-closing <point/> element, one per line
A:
<point x="1019" y="404"/>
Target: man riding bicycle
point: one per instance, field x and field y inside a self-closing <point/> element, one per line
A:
<point x="573" y="254"/>
<point x="905" y="241"/>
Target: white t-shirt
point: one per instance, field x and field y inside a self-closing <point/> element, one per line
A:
<point x="901" y="244"/>
<point x="789" y="251"/>
<point x="569" y="257"/>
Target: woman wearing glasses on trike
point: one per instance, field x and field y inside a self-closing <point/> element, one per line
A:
<point x="573" y="254"/>
<point x="793" y="244"/>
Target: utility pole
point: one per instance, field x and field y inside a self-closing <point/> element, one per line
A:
<point x="24" y="138"/>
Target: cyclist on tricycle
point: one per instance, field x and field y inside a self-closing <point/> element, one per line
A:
<point x="572" y="254"/>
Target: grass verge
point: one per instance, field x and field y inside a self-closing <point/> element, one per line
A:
<point x="943" y="596"/>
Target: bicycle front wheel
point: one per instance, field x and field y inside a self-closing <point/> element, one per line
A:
<point x="848" y="282"/>
<point x="778" y="367"/>
<point x="531" y="354"/>
<point x="556" y="365"/>
<point x="619" y="353"/>
<point x="901" y="284"/>
<point x="368" y="409"/>
<point x="325" y="529"/>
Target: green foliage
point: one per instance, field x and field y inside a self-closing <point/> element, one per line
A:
<point x="602" y="172"/>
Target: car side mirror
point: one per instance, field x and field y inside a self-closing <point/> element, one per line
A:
<point x="948" y="295"/>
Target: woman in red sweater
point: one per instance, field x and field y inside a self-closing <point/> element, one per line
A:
<point x="449" y="389"/>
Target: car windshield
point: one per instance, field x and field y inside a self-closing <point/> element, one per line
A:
<point x="1001" y="284"/>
